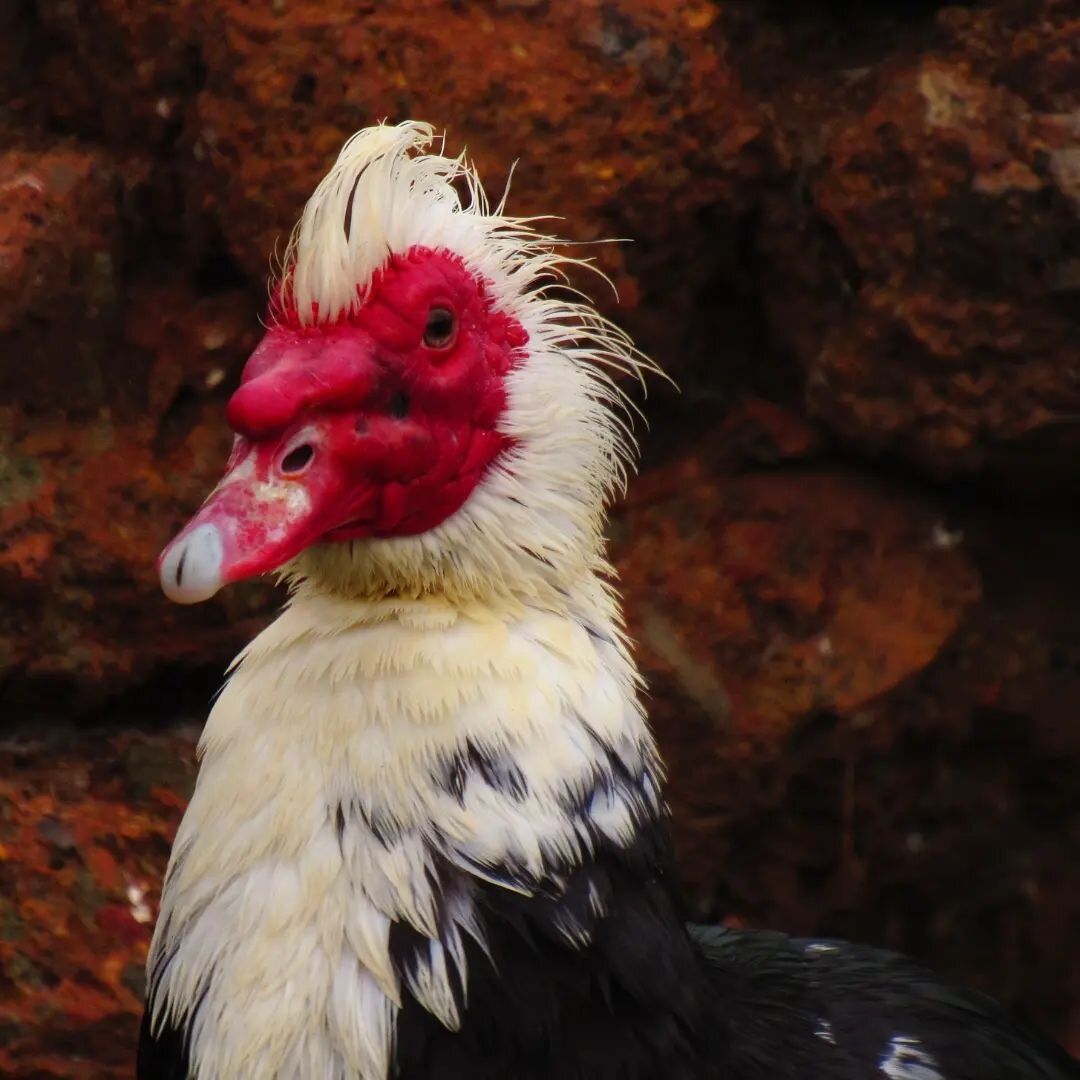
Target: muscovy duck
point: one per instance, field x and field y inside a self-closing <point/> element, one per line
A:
<point x="427" y="839"/>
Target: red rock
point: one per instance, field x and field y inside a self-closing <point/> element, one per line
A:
<point x="58" y="249"/>
<point x="771" y="597"/>
<point x="85" y="506"/>
<point x="856" y="228"/>
<point x="933" y="308"/>
<point x="119" y="924"/>
<point x="82" y="853"/>
<point x="760" y="432"/>
<point x="626" y="121"/>
<point x="865" y="707"/>
<point x="123" y="71"/>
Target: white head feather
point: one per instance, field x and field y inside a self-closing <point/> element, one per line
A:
<point x="536" y="520"/>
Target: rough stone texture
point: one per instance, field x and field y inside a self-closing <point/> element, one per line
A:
<point x="850" y="564"/>
<point x="958" y="205"/>
<point x="928" y="281"/>
<point x="85" y="832"/>
<point x="625" y="118"/>
<point x="803" y="592"/>
<point x="58" y="250"/>
<point x="120" y="71"/>
<point x="868" y="713"/>
<point x="87" y="499"/>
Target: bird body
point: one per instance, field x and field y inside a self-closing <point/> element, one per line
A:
<point x="427" y="839"/>
<point x="367" y="770"/>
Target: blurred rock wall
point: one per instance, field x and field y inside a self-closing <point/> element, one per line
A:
<point x="850" y="561"/>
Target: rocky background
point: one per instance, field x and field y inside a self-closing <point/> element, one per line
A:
<point x="850" y="561"/>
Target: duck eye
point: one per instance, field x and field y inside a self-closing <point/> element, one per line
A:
<point x="440" y="329"/>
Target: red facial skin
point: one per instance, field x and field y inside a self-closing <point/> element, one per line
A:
<point x="401" y="431"/>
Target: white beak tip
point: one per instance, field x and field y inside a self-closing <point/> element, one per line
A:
<point x="191" y="566"/>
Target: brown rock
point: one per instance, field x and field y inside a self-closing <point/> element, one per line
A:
<point x="59" y="243"/>
<point x="952" y="200"/>
<point x="626" y="119"/>
<point x="866" y="710"/>
<point x="86" y="505"/>
<point x="16" y="83"/>
<point x="770" y="597"/>
<point x="85" y="829"/>
<point x="124" y="71"/>
<point x="846" y="217"/>
<point x="929" y="285"/>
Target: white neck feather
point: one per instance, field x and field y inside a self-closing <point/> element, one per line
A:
<point x="336" y="768"/>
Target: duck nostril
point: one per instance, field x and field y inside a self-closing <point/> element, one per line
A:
<point x="297" y="459"/>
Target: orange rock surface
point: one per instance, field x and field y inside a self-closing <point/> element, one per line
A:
<point x="850" y="561"/>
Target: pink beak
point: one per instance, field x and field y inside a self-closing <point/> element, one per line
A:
<point x="254" y="521"/>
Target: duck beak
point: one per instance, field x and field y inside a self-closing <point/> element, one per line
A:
<point x="253" y="522"/>
<point x="287" y="482"/>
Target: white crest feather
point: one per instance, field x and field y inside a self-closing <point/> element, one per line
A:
<point x="571" y="421"/>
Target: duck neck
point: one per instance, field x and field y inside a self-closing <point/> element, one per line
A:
<point x="444" y="804"/>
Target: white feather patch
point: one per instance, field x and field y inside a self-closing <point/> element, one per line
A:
<point x="905" y="1059"/>
<point x="284" y="911"/>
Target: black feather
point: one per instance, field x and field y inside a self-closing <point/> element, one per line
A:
<point x="162" y="1055"/>
<point x="792" y="993"/>
<point x="632" y="1001"/>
